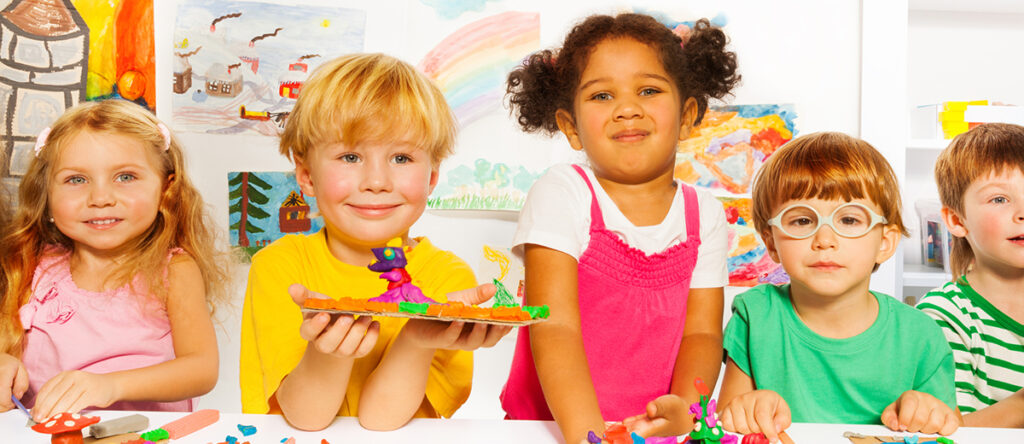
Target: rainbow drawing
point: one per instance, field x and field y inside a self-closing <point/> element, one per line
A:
<point x="748" y="260"/>
<point x="471" y="64"/>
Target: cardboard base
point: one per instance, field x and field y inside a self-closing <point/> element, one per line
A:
<point x="391" y="314"/>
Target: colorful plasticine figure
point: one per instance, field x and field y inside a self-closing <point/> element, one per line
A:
<point x="391" y="266"/>
<point x="706" y="428"/>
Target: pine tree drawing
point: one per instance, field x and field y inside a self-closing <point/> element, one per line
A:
<point x="244" y="188"/>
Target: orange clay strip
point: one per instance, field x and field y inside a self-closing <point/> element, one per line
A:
<point x="453" y="309"/>
<point x="194" y="421"/>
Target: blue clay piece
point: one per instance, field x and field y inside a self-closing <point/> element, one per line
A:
<point x="246" y="429"/>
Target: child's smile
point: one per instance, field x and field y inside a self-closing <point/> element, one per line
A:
<point x="630" y="135"/>
<point x="373" y="210"/>
<point x="103" y="224"/>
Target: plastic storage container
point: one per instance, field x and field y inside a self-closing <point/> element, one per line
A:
<point x="935" y="238"/>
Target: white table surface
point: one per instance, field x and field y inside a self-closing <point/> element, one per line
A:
<point x="271" y="429"/>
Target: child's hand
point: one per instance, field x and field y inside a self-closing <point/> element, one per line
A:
<point x="667" y="415"/>
<point x="473" y="296"/>
<point x="346" y="337"/>
<point x="920" y="412"/>
<point x="759" y="411"/>
<point x="455" y="335"/>
<point x="13" y="380"/>
<point x="71" y="391"/>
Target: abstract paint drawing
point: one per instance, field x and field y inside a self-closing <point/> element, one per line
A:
<point x="265" y="206"/>
<point x="731" y="143"/>
<point x="239" y="66"/>
<point x="470" y="66"/>
<point x="122" y="54"/>
<point x="748" y="260"/>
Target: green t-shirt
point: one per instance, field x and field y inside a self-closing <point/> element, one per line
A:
<point x="839" y="381"/>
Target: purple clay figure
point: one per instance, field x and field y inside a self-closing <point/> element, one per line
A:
<point x="391" y="266"/>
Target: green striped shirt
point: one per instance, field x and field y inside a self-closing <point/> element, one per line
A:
<point x="988" y="345"/>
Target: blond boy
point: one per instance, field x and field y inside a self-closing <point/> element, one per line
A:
<point x="366" y="135"/>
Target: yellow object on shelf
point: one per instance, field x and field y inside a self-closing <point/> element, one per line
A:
<point x="943" y="120"/>
<point x="954" y="106"/>
<point x="951" y="116"/>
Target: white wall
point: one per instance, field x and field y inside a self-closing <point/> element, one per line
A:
<point x="803" y="52"/>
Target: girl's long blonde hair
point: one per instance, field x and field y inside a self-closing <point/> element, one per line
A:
<point x="181" y="222"/>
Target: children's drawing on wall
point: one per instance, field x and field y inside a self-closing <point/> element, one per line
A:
<point x="748" y="260"/>
<point x="59" y="52"/>
<point x="121" y="50"/>
<point x="470" y="66"/>
<point x="731" y="143"/>
<point x="238" y="66"/>
<point x="483" y="186"/>
<point x="265" y="206"/>
<point x="450" y="9"/>
<point x="506" y="271"/>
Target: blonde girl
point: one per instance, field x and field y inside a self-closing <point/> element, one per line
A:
<point x="111" y="270"/>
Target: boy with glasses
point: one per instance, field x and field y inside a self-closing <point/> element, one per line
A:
<point x="825" y="348"/>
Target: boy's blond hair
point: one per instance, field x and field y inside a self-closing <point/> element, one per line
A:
<point x="825" y="165"/>
<point x="987" y="149"/>
<point x="369" y="98"/>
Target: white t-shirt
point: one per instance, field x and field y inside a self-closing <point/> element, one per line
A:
<point x="556" y="215"/>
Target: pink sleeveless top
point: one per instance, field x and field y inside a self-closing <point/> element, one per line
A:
<point x="68" y="328"/>
<point x="632" y="313"/>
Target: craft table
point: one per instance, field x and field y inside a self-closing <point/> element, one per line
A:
<point x="271" y="429"/>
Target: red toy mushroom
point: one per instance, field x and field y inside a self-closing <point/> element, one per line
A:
<point x="66" y="428"/>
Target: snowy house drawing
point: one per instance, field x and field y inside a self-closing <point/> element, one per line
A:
<point x="182" y="74"/>
<point x="221" y="81"/>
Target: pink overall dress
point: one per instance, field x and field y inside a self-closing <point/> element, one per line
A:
<point x="632" y="313"/>
<point x="69" y="328"/>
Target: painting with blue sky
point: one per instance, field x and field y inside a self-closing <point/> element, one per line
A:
<point x="266" y="205"/>
<point x="238" y="66"/>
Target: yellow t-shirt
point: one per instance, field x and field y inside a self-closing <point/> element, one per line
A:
<point x="271" y="345"/>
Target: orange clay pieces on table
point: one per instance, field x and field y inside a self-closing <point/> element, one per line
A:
<point x="857" y="438"/>
<point x="190" y="423"/>
<point x="405" y="299"/>
<point x="455" y="311"/>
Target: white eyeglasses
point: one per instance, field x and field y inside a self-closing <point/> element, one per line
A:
<point x="851" y="220"/>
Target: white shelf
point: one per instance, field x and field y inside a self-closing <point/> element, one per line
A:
<point x="919" y="275"/>
<point x="972" y="6"/>
<point x="928" y="144"/>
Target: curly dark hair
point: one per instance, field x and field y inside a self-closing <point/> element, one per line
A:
<point x="548" y="79"/>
